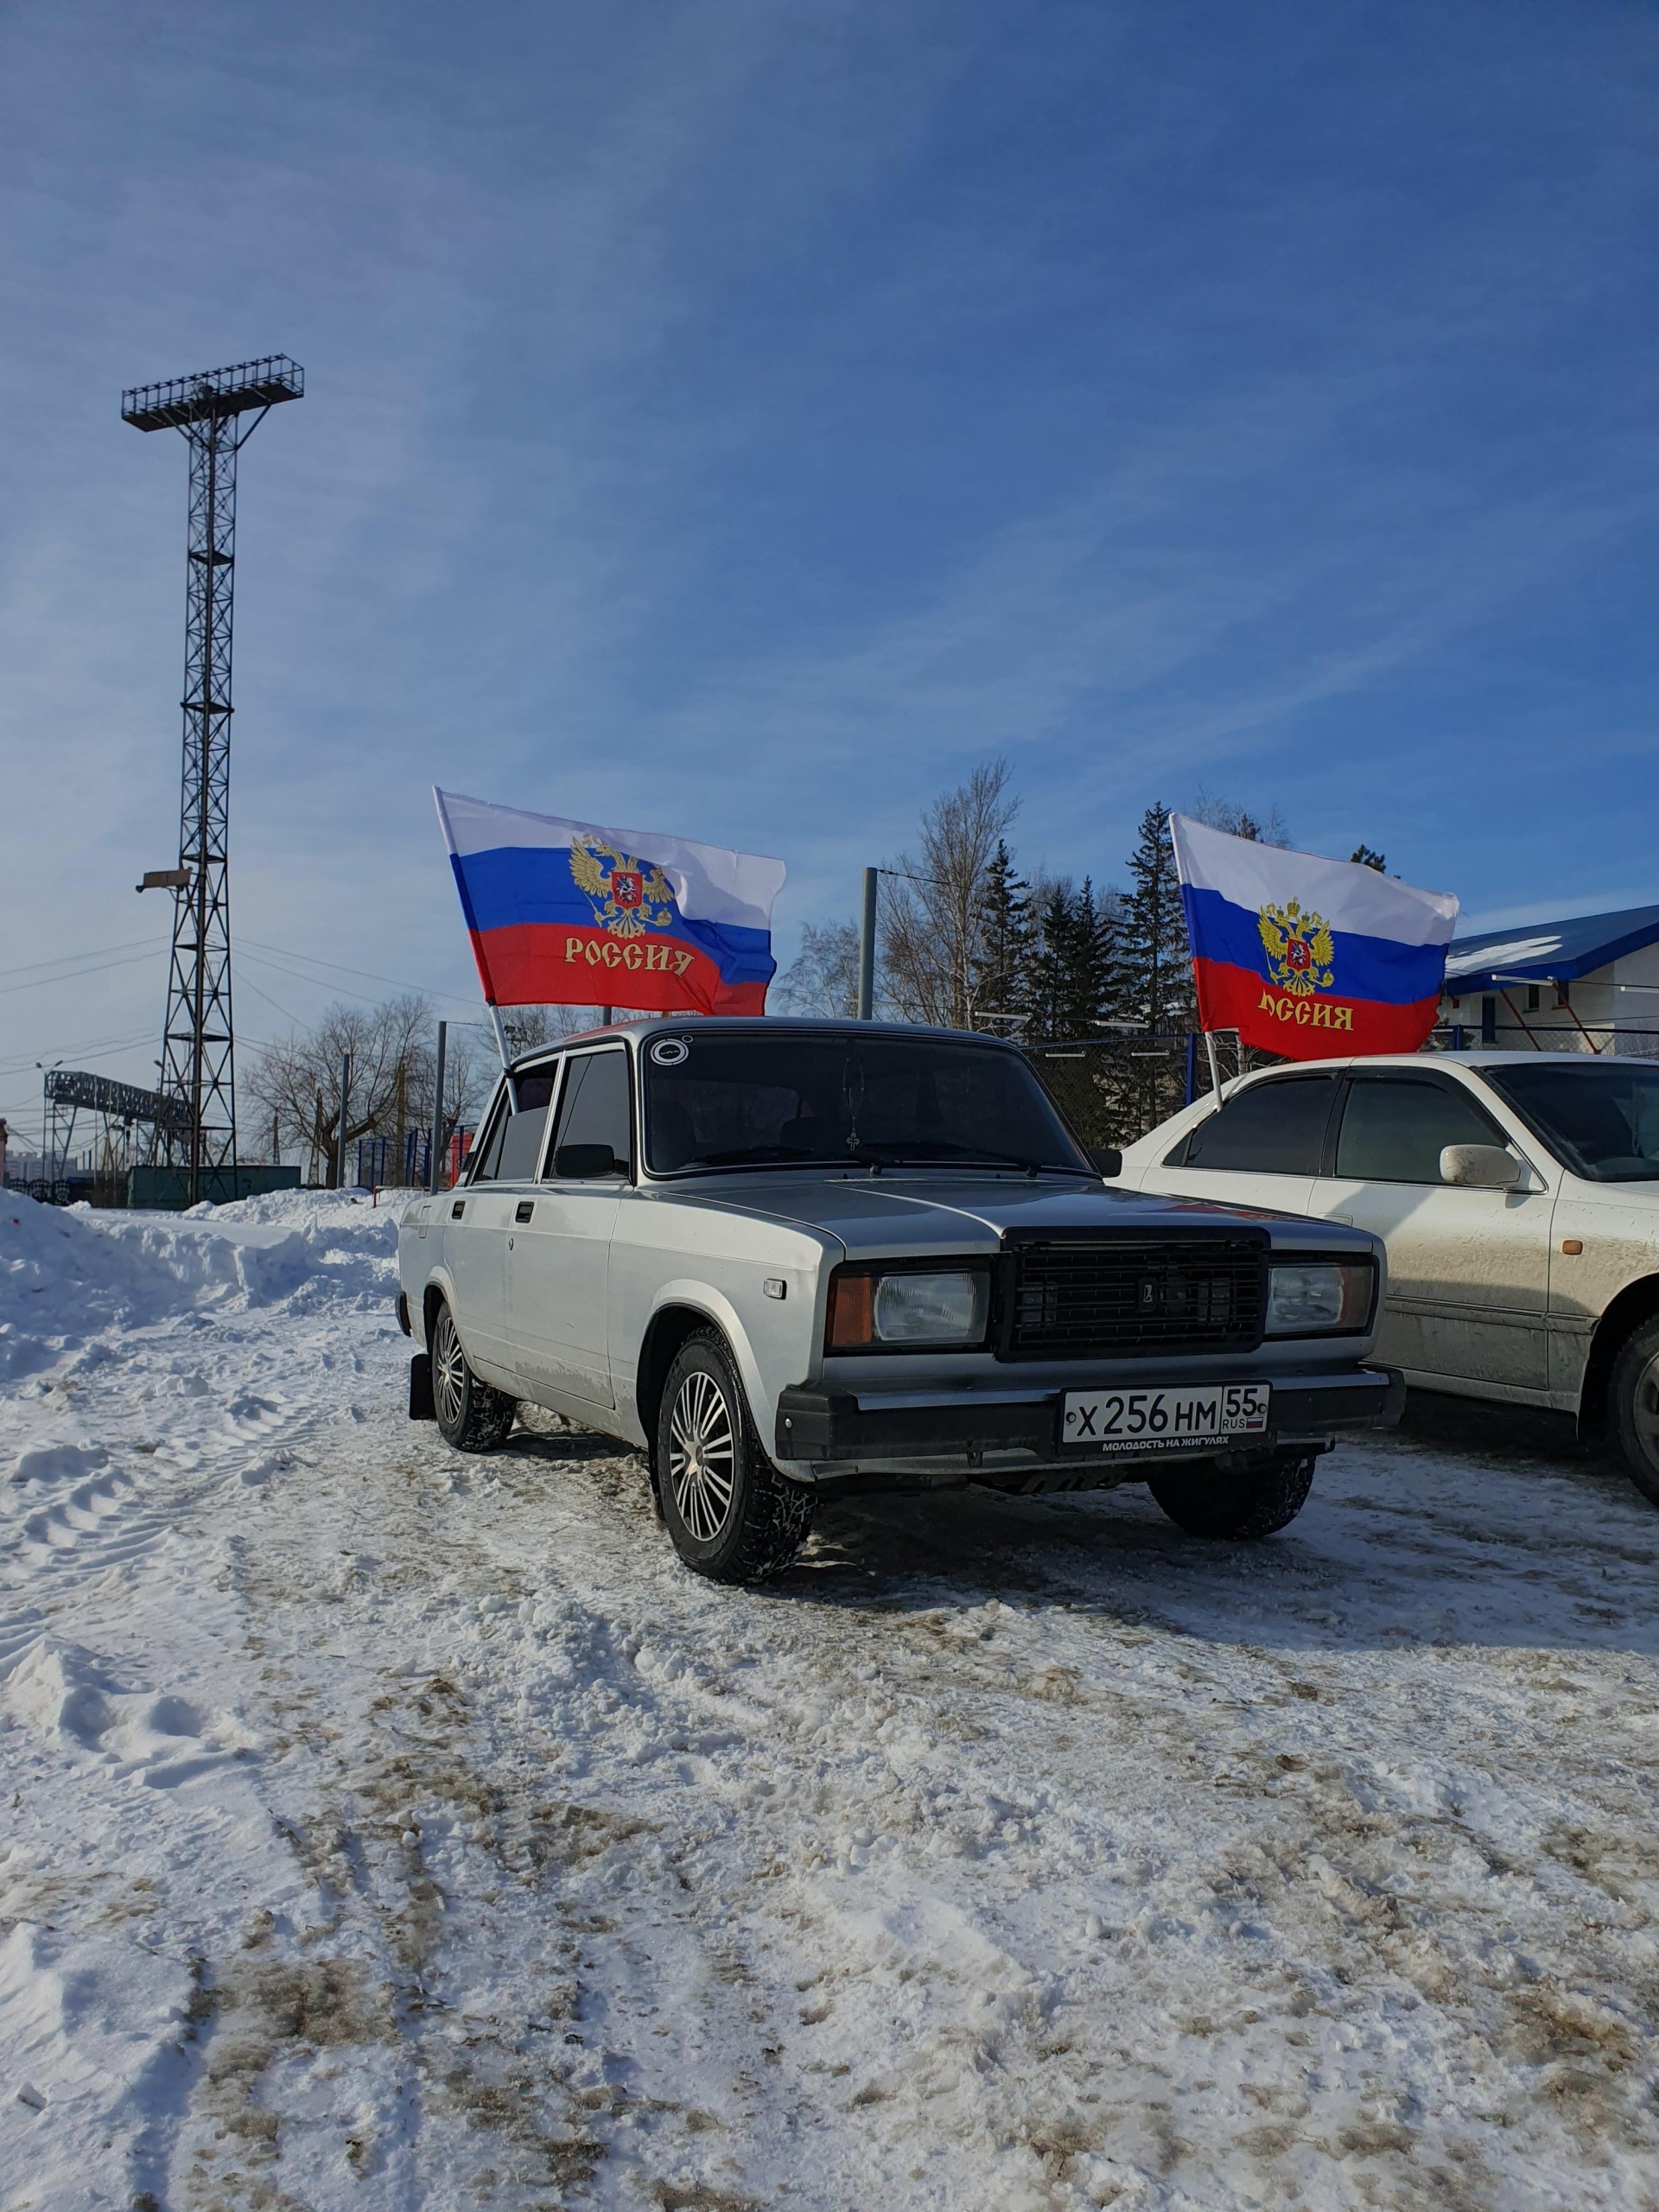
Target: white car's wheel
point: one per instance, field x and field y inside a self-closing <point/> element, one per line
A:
<point x="731" y="1515"/>
<point x="471" y="1415"/>
<point x="1634" y="1394"/>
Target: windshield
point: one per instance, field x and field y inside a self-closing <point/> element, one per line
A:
<point x="1599" y="1117"/>
<point x="732" y="1099"/>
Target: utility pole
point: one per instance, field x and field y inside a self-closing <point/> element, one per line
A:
<point x="867" y="946"/>
<point x="345" y="1101"/>
<point x="197" y="1045"/>
<point x="432" y="1169"/>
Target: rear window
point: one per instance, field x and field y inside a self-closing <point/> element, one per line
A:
<point x="1272" y="1129"/>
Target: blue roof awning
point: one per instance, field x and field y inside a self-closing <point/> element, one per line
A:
<point x="1548" y="952"/>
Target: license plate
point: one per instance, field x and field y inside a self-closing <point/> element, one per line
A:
<point x="1162" y="1421"/>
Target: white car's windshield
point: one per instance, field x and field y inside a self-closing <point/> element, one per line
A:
<point x="813" y="1098"/>
<point x="1599" y="1117"/>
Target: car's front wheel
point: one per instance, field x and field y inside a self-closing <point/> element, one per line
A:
<point x="472" y="1415"/>
<point x="731" y="1515"/>
<point x="1209" y="1502"/>
<point x="1634" y="1393"/>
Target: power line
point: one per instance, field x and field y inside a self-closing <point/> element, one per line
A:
<point x="75" y="974"/>
<point x="97" y="952"/>
<point x="397" y="983"/>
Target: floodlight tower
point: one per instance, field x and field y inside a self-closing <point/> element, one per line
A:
<point x="212" y="409"/>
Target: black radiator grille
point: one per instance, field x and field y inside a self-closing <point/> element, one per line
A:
<point x="1119" y="1298"/>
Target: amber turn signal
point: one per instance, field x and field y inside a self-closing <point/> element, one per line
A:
<point x="1572" y="1246"/>
<point x="852" y="1312"/>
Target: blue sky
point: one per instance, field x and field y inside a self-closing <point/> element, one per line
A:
<point x="741" y="419"/>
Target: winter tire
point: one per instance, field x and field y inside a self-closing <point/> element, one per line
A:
<point x="1634" y="1405"/>
<point x="1210" y="1503"/>
<point x="471" y="1415"/>
<point x="731" y="1515"/>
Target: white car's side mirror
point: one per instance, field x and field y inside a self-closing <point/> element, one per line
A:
<point x="1480" y="1167"/>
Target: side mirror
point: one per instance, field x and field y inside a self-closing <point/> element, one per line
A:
<point x="1106" y="1159"/>
<point x="1480" y="1167"/>
<point x="581" y="1163"/>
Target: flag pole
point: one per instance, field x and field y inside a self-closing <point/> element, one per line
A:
<point x="500" y="1034"/>
<point x="1215" y="1064"/>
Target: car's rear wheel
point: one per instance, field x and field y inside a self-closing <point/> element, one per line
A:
<point x="472" y="1415"/>
<point x="1634" y="1405"/>
<point x="731" y="1515"/>
<point x="1241" y="1507"/>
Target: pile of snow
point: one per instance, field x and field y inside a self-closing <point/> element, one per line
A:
<point x="67" y="1276"/>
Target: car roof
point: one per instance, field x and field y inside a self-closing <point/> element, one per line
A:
<point x="653" y="1025"/>
<point x="1475" y="1062"/>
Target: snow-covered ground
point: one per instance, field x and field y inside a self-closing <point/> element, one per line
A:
<point x="384" y="1829"/>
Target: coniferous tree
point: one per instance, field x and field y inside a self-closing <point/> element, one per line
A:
<point x="1048" y="991"/>
<point x="1001" y="963"/>
<point x="1085" y="970"/>
<point x="1156" y="960"/>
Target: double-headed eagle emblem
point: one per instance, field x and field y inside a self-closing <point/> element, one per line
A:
<point x="1299" y="948"/>
<point x="628" y="897"/>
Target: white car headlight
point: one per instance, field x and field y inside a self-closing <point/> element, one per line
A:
<point x="868" y="1308"/>
<point x="1306" y="1297"/>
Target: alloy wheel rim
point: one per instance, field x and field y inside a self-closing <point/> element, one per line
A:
<point x="449" y="1372"/>
<point x="702" y="1456"/>
<point x="1645" y="1411"/>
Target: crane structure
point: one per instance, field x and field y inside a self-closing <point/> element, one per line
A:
<point x="217" y="411"/>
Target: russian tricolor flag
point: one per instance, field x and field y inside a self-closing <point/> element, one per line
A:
<point x="1309" y="957"/>
<point x="568" y="913"/>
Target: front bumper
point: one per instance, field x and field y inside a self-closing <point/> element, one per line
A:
<point x="934" y="1430"/>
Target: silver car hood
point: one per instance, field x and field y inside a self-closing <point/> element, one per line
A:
<point x="899" y="1212"/>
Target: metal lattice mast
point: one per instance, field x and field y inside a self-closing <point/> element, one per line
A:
<point x="217" y="411"/>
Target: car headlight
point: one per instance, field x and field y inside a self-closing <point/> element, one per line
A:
<point x="868" y="1308"/>
<point x="1306" y="1297"/>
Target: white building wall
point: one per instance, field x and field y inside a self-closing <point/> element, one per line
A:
<point x="1616" y="1004"/>
<point x="1634" y="992"/>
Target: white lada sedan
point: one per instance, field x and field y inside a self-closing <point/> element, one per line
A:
<point x="793" y="1259"/>
<point x="1518" y="1196"/>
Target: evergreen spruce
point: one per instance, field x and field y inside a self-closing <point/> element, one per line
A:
<point x="1048" y="990"/>
<point x="1003" y="941"/>
<point x="1087" y="978"/>
<point x="1156" y="960"/>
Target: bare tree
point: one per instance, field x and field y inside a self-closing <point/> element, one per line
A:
<point x="527" y="1026"/>
<point x="392" y="1056"/>
<point x="934" y="907"/>
<point x="470" y="1067"/>
<point x="823" y="978"/>
<point x="1263" y="829"/>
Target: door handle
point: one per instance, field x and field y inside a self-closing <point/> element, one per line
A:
<point x="526" y="1207"/>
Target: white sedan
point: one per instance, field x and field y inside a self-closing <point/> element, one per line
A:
<point x="1518" y="1196"/>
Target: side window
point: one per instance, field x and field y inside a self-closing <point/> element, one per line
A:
<point x="486" y="1162"/>
<point x="515" y="1137"/>
<point x="1272" y="1129"/>
<point x="595" y="1109"/>
<point x="521" y="1146"/>
<point x="1392" y="1130"/>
